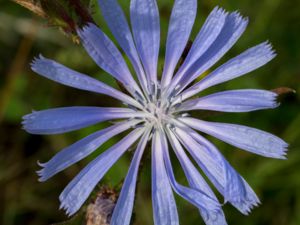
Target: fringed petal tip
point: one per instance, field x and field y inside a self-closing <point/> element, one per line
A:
<point x="42" y="172"/>
<point x="37" y="61"/>
<point x="37" y="58"/>
<point x="248" y="205"/>
<point x="284" y="150"/>
<point x="65" y="205"/>
<point x="274" y="99"/>
<point x="28" y="119"/>
<point x="280" y="148"/>
<point x="266" y="49"/>
<point x="269" y="47"/>
<point x="66" y="208"/>
<point x="219" y="11"/>
<point x="239" y="18"/>
<point x="244" y="204"/>
<point x="83" y="30"/>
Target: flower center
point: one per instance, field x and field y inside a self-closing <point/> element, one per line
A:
<point x="158" y="108"/>
<point x="159" y="113"/>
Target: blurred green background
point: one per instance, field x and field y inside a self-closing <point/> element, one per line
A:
<point x="23" y="200"/>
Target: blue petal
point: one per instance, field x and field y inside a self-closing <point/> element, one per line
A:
<point x="246" y="62"/>
<point x="75" y="194"/>
<point x="81" y="149"/>
<point x="164" y="205"/>
<point x="180" y="26"/>
<point x="123" y="209"/>
<point x="196" y="197"/>
<point x="233" y="101"/>
<point x="62" y="120"/>
<point x="107" y="56"/>
<point x="228" y="182"/>
<point x="233" y="28"/>
<point x="146" y="31"/>
<point x="118" y="25"/>
<point x="61" y="74"/>
<point x="205" y="38"/>
<point x="197" y="182"/>
<point x="247" y="138"/>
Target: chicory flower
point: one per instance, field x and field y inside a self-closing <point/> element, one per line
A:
<point x="156" y="107"/>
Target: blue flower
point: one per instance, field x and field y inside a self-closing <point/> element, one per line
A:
<point x="156" y="110"/>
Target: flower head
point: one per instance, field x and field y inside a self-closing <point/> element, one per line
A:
<point x="156" y="110"/>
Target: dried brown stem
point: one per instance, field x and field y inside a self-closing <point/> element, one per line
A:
<point x="33" y="6"/>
